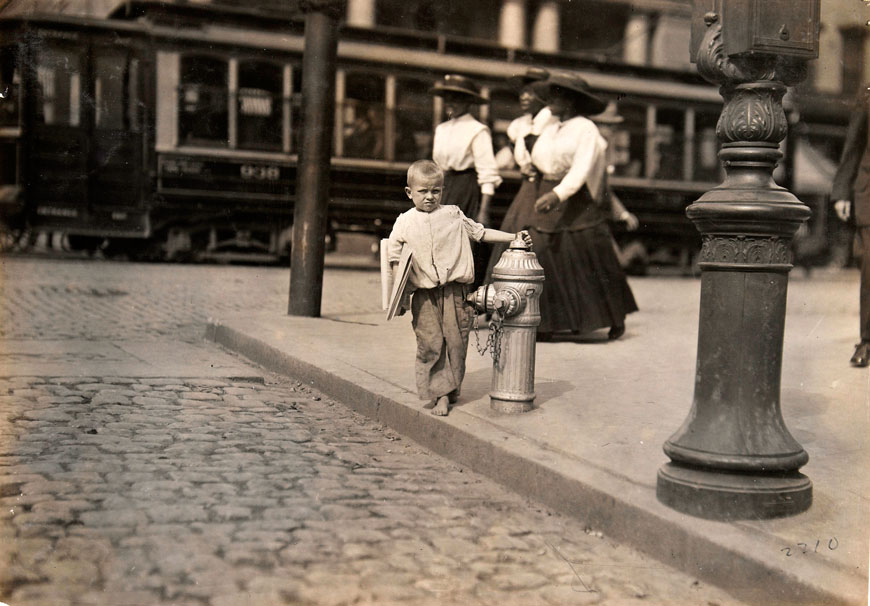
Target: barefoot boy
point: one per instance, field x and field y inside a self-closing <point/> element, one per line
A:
<point x="441" y="276"/>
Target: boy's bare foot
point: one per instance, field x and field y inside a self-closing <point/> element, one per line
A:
<point x="441" y="408"/>
<point x="430" y="404"/>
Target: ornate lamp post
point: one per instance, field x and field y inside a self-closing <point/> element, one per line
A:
<point x="733" y="457"/>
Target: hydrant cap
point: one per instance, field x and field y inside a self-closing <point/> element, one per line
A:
<point x="518" y="263"/>
<point x="519" y="243"/>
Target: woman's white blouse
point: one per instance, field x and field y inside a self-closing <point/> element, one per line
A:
<point x="527" y="125"/>
<point x="463" y="143"/>
<point x="574" y="153"/>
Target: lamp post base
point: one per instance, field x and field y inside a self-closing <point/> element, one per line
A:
<point x="720" y="495"/>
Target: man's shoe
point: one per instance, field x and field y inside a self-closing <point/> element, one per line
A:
<point x="861" y="358"/>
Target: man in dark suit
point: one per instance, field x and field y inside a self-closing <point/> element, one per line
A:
<point x="851" y="196"/>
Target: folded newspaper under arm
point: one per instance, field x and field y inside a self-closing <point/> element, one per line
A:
<point x="386" y="275"/>
<point x="399" y="286"/>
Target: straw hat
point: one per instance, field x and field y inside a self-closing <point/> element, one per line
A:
<point x="609" y="116"/>
<point x="587" y="103"/>
<point x="454" y="83"/>
<point x="533" y="74"/>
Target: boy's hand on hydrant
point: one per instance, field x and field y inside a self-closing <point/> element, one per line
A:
<point x="525" y="237"/>
<point x="547" y="202"/>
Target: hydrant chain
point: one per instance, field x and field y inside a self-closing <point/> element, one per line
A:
<point x="493" y="338"/>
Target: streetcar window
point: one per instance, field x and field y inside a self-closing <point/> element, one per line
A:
<point x="363" y="116"/>
<point x="629" y="138"/>
<point x="618" y="145"/>
<point x="59" y="87"/>
<point x="259" y="105"/>
<point x="295" y="126"/>
<point x="504" y="106"/>
<point x="669" y="143"/>
<point x="203" y="113"/>
<point x="707" y="166"/>
<point x="10" y="84"/>
<point x="134" y="105"/>
<point x="109" y="87"/>
<point x="414" y="122"/>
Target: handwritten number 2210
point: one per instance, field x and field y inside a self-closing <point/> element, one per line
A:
<point x="833" y="543"/>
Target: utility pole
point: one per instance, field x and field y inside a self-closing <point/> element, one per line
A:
<point x="312" y="175"/>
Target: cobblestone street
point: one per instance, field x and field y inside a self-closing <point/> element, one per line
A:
<point x="166" y="490"/>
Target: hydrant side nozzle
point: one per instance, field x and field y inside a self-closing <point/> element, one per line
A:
<point x="482" y="298"/>
<point x="508" y="302"/>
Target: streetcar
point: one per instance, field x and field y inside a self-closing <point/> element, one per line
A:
<point x="171" y="131"/>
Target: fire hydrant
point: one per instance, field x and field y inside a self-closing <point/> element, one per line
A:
<point x="513" y="299"/>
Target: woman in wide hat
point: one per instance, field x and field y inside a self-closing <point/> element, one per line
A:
<point x="462" y="148"/>
<point x="586" y="288"/>
<point x="523" y="132"/>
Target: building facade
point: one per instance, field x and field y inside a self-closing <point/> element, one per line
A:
<point x="641" y="32"/>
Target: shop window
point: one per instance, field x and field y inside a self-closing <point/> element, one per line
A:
<point x="203" y="114"/>
<point x="593" y="27"/>
<point x="260" y="107"/>
<point x="59" y="87"/>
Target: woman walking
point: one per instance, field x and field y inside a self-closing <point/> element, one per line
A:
<point x="462" y="148"/>
<point x="586" y="288"/>
<point x="523" y="132"/>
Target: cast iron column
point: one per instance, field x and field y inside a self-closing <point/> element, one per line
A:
<point x="733" y="457"/>
<point x="312" y="174"/>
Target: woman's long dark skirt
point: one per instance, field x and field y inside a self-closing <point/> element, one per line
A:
<point x="585" y="288"/>
<point x="518" y="216"/>
<point x="461" y="188"/>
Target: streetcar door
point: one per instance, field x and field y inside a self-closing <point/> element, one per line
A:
<point x="115" y="186"/>
<point x="56" y="172"/>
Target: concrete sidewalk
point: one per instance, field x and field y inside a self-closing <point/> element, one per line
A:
<point x="593" y="444"/>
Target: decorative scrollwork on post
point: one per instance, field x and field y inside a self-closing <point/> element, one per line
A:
<point x="753" y="112"/>
<point x="746" y="250"/>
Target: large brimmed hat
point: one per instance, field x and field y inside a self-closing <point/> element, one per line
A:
<point x="587" y="103"/>
<point x="533" y="74"/>
<point x="609" y="115"/>
<point x="460" y="85"/>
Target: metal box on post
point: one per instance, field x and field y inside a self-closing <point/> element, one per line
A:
<point x="781" y="27"/>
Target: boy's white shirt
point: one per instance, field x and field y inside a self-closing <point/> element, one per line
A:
<point x="463" y="143"/>
<point x="440" y="241"/>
